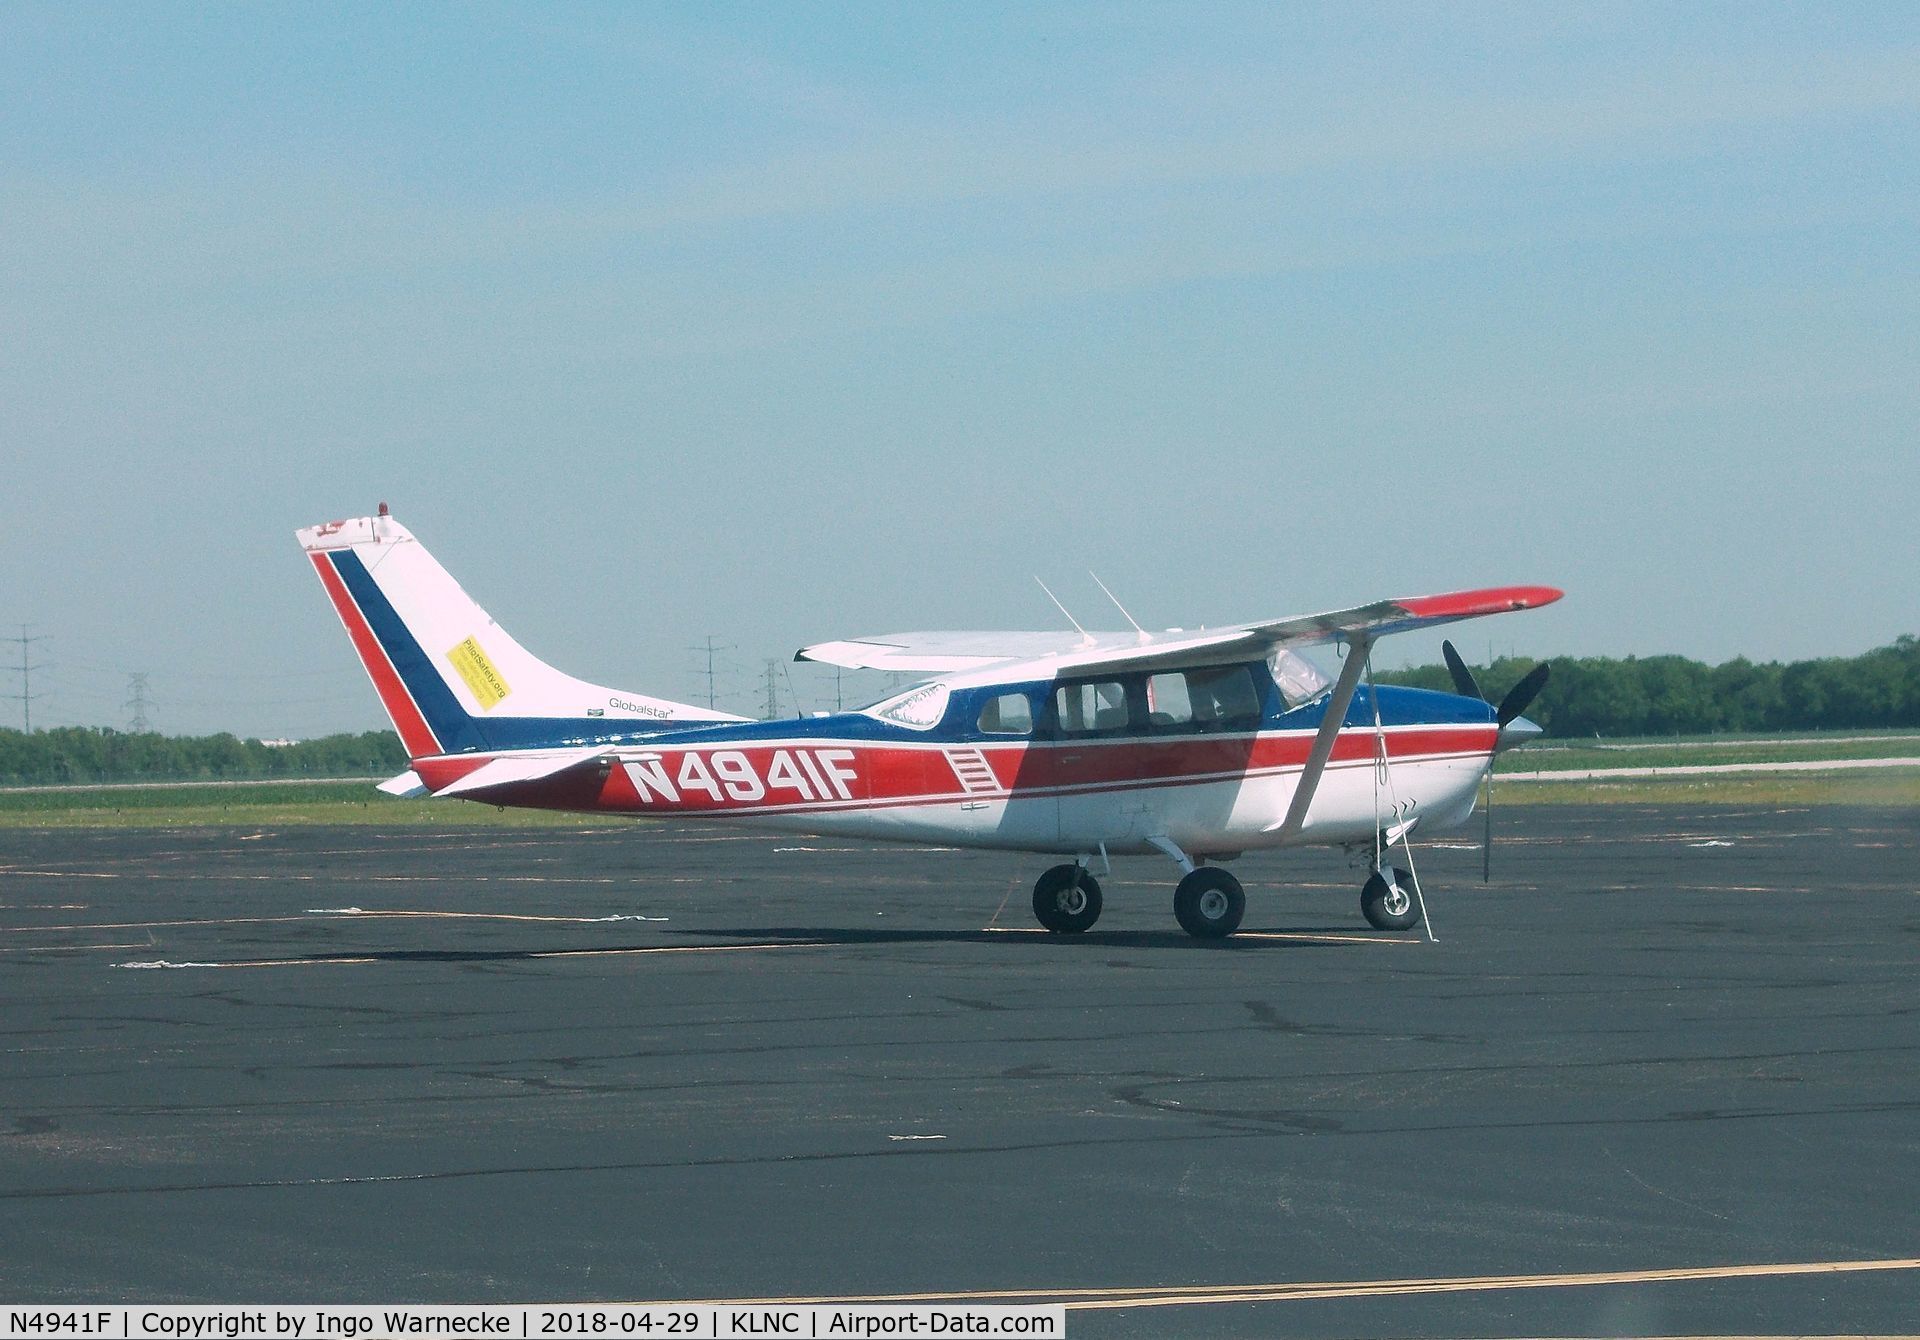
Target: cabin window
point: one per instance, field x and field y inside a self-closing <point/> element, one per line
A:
<point x="1007" y="714"/>
<point x="1220" y="698"/>
<point x="1168" y="702"/>
<point x="1224" y="699"/>
<point x="1085" y="708"/>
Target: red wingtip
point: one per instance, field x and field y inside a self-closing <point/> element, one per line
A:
<point x="1466" y="604"/>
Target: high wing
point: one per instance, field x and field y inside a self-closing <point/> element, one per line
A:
<point x="1056" y="653"/>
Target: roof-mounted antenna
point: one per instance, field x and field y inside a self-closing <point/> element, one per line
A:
<point x="1084" y="634"/>
<point x="1145" y="636"/>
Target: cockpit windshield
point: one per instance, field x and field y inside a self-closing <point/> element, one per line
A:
<point x="1300" y="680"/>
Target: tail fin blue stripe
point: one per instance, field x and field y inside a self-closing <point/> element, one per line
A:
<point x="458" y="731"/>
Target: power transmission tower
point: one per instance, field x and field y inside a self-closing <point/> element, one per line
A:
<point x="773" y="688"/>
<point x="710" y="649"/>
<point x="137" y="703"/>
<point x="27" y="667"/>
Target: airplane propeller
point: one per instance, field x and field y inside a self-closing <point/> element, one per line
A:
<point x="1517" y="700"/>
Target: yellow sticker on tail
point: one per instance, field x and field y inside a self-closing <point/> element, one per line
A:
<point x="482" y="679"/>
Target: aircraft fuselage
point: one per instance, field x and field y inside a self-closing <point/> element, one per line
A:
<point x="1048" y="790"/>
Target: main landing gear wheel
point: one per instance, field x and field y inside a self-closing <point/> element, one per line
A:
<point x="1209" y="903"/>
<point x="1067" y="899"/>
<point x="1390" y="907"/>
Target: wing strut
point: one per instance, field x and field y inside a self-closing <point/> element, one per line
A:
<point x="1358" y="649"/>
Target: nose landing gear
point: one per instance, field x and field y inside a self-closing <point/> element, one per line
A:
<point x="1390" y="901"/>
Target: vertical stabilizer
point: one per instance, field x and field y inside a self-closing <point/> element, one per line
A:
<point x="452" y="679"/>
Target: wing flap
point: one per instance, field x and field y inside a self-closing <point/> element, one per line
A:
<point x="1167" y="651"/>
<point x="943" y="652"/>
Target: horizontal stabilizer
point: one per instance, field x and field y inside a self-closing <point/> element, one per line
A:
<point x="407" y="785"/>
<point x="519" y="768"/>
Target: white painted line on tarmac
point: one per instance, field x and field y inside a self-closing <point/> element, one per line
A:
<point x="1709" y="770"/>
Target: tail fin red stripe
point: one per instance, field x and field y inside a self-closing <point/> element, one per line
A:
<point x="415" y="734"/>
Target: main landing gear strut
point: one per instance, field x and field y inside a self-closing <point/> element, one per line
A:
<point x="1067" y="899"/>
<point x="1208" y="902"/>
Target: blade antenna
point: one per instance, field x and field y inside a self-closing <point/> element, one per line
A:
<point x="1144" y="635"/>
<point x="1086" y="636"/>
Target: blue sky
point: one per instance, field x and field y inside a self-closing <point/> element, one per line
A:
<point x="792" y="322"/>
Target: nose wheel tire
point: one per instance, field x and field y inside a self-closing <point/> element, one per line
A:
<point x="1209" y="903"/>
<point x="1390" y="907"/>
<point x="1067" y="899"/>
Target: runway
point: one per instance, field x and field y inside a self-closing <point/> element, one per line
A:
<point x="1658" y="1077"/>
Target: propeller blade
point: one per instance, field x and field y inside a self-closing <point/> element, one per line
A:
<point x="1463" y="680"/>
<point x="1521" y="695"/>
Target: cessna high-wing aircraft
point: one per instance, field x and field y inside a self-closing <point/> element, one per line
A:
<point x="1195" y="745"/>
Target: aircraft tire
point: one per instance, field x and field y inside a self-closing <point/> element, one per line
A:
<point x="1066" y="899"/>
<point x="1390" y="909"/>
<point x="1209" y="903"/>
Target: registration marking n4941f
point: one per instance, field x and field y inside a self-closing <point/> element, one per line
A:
<point x="724" y="775"/>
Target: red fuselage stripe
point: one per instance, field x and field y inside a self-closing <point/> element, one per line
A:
<point x="761" y="777"/>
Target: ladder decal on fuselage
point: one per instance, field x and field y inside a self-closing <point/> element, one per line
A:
<point x="975" y="773"/>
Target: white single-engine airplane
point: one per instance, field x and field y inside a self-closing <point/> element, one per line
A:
<point x="1196" y="745"/>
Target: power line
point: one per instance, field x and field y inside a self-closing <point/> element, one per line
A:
<point x="27" y="667"/>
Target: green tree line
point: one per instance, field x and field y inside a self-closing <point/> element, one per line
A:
<point x="70" y="755"/>
<point x="1671" y="695"/>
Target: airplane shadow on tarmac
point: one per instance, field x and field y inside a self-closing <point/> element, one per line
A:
<point x="747" y="938"/>
<point x="1252" y="940"/>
